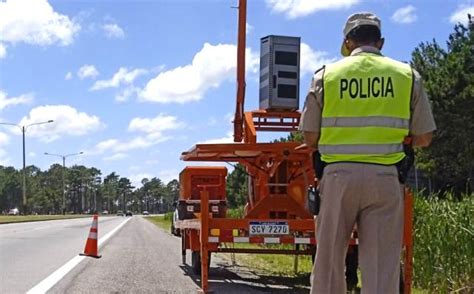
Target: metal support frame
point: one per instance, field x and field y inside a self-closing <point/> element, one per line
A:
<point x="204" y="239"/>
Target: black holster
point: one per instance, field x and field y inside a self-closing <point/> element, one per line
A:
<point x="404" y="166"/>
<point x="314" y="198"/>
<point x="318" y="165"/>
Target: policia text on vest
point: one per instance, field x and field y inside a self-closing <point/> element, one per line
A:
<point x="371" y="87"/>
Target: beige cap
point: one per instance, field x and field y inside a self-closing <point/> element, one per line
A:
<point x="359" y="19"/>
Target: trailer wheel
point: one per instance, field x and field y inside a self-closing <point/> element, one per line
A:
<point x="402" y="279"/>
<point x="196" y="262"/>
<point x="313" y="255"/>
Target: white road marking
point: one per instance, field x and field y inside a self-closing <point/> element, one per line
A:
<point x="56" y="276"/>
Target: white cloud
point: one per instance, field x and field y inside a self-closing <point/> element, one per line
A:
<point x="136" y="179"/>
<point x="4" y="139"/>
<point x="298" y="8"/>
<point x="122" y="76"/>
<point x="168" y="175"/>
<point x="67" y="121"/>
<point x="127" y="93"/>
<point x="113" y="31"/>
<point x="105" y="145"/>
<point x="34" y="22"/>
<point x="460" y="15"/>
<point x="121" y="146"/>
<point x="6" y="101"/>
<point x="405" y="15"/>
<point x="229" y="138"/>
<point x="116" y="156"/>
<point x="212" y="121"/>
<point x="87" y="71"/>
<point x="152" y="162"/>
<point x="248" y="28"/>
<point x="68" y="76"/>
<point x="31" y="154"/>
<point x="212" y="65"/>
<point x="134" y="168"/>
<point x="160" y="123"/>
<point x="229" y="117"/>
<point x="152" y="133"/>
<point x="3" y="51"/>
<point x="4" y="159"/>
<point x="312" y="60"/>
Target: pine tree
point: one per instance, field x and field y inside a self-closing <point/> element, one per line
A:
<point x="448" y="76"/>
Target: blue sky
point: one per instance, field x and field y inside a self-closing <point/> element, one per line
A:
<point x="132" y="84"/>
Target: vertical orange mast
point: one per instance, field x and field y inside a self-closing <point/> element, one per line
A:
<point x="239" y="107"/>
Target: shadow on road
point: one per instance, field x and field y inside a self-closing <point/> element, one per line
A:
<point x="227" y="278"/>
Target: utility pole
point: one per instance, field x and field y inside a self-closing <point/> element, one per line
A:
<point x="62" y="174"/>
<point x="63" y="206"/>
<point x="25" y="210"/>
<point x="23" y="129"/>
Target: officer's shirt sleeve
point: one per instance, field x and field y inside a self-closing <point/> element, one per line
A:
<point x="312" y="110"/>
<point x="422" y="120"/>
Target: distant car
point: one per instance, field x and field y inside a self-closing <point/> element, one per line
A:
<point x="175" y="231"/>
<point x="128" y="213"/>
<point x="105" y="212"/>
<point x="146" y="213"/>
<point x="120" y="213"/>
<point x="14" y="211"/>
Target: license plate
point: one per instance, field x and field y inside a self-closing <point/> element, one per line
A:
<point x="269" y="228"/>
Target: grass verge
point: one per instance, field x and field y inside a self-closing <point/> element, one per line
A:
<point x="444" y="247"/>
<point x="162" y="221"/>
<point x="6" y="219"/>
<point x="271" y="264"/>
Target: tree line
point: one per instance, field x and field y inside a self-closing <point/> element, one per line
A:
<point x="85" y="191"/>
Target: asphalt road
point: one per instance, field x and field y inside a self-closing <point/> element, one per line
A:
<point x="29" y="252"/>
<point x="139" y="258"/>
<point x="142" y="258"/>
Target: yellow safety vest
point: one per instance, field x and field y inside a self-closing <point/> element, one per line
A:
<point x="366" y="111"/>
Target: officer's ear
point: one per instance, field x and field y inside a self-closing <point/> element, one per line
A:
<point x="350" y="45"/>
<point x="380" y="43"/>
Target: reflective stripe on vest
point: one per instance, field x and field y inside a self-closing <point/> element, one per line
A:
<point x="361" y="149"/>
<point x="371" y="121"/>
<point x="366" y="109"/>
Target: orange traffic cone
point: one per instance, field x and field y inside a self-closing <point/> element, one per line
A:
<point x="91" y="244"/>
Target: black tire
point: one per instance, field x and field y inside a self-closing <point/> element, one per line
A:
<point x="352" y="264"/>
<point x="402" y="279"/>
<point x="196" y="262"/>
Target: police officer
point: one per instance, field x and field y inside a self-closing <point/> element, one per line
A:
<point x="357" y="113"/>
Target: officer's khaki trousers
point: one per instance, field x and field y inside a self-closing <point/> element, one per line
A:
<point x="370" y="196"/>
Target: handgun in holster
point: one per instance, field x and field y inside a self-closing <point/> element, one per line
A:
<point x="404" y="166"/>
<point x="314" y="198"/>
